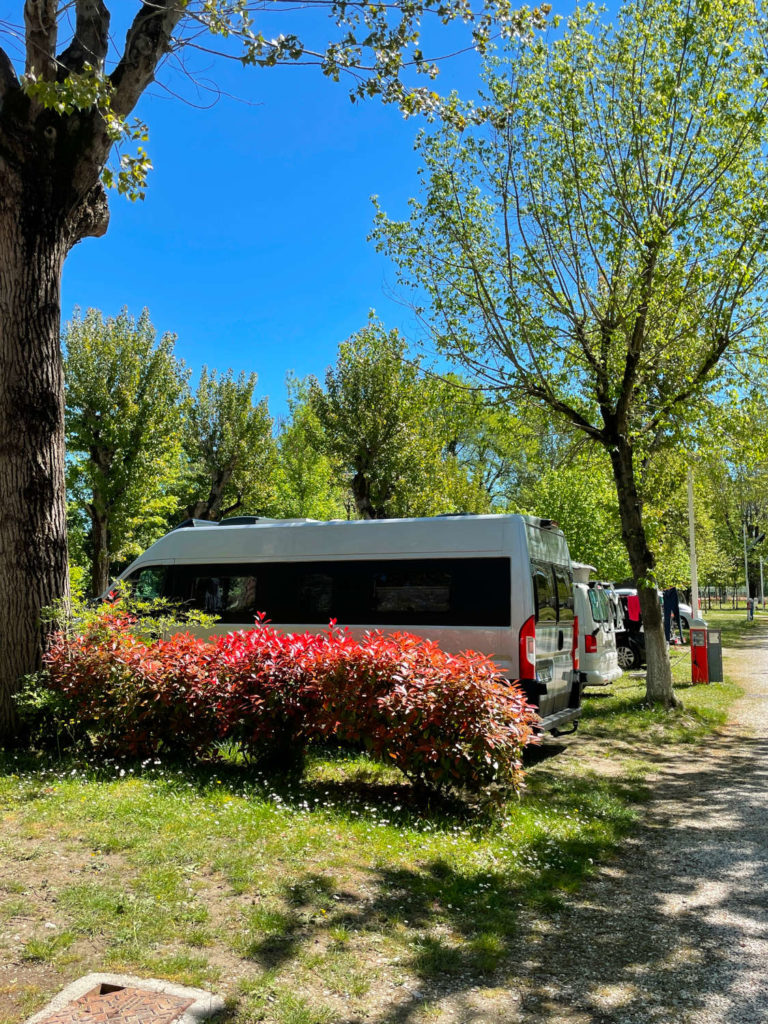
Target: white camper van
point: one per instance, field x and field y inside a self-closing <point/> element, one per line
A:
<point x="594" y="606"/>
<point x="499" y="584"/>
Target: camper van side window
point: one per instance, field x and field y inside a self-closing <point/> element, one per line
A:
<point x="545" y="596"/>
<point x="564" y="594"/>
<point x="403" y="592"/>
<point x="315" y="597"/>
<point x="227" y="592"/>
<point x="599" y="611"/>
<point x="415" y="590"/>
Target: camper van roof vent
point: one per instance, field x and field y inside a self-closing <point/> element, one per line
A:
<point x="244" y="520"/>
<point x="195" y="522"/>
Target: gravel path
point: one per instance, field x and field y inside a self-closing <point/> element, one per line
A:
<point x="676" y="930"/>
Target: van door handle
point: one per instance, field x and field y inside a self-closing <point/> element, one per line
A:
<point x="560" y="640"/>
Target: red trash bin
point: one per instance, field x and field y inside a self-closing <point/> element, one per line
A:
<point x="699" y="659"/>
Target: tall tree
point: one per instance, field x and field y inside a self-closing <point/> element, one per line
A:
<point x="228" y="441"/>
<point x="593" y="235"/>
<point x="386" y="427"/>
<point x="306" y="481"/>
<point x="369" y="412"/>
<point x="62" y="112"/>
<point x="123" y="430"/>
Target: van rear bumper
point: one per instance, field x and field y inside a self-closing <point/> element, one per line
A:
<point x="594" y="677"/>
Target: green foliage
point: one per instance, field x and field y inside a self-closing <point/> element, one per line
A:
<point x="123" y="387"/>
<point x="229" y="445"/>
<point x="392" y="432"/>
<point x="559" y="238"/>
<point x="46" y="717"/>
<point x="578" y="492"/>
<point x="306" y="481"/>
<point x="732" y="479"/>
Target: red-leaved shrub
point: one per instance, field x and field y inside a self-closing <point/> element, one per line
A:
<point x="265" y="696"/>
<point x="446" y="721"/>
<point x="135" y="697"/>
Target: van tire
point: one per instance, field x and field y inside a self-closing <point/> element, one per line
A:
<point x="628" y="657"/>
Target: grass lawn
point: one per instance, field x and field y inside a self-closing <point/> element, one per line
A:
<point x="339" y="898"/>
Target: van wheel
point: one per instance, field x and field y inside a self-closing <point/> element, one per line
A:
<point x="628" y="657"/>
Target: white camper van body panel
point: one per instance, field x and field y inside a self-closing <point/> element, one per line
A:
<point x="596" y="618"/>
<point x="469" y="578"/>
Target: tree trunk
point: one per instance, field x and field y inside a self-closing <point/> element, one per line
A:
<point x="210" y="507"/>
<point x="33" y="529"/>
<point x="361" y="492"/>
<point x="99" y="551"/>
<point x="659" y="677"/>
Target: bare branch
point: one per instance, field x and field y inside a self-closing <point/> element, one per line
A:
<point x="637" y="338"/>
<point x="147" y="42"/>
<point x="41" y="30"/>
<point x="91" y="39"/>
<point x="542" y="394"/>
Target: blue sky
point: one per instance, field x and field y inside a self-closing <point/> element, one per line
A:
<point x="251" y="242"/>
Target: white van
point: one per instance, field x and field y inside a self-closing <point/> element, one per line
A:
<point x="498" y="584"/>
<point x="598" y="657"/>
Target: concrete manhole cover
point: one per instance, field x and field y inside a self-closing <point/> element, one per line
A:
<point x="120" y="999"/>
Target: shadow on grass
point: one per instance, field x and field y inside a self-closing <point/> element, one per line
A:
<point x="460" y="930"/>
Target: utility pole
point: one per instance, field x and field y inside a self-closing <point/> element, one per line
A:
<point x="762" y="589"/>
<point x="746" y="561"/>
<point x="692" y="545"/>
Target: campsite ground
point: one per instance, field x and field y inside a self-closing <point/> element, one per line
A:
<point x="622" y="888"/>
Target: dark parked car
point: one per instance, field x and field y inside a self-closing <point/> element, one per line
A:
<point x="630" y="638"/>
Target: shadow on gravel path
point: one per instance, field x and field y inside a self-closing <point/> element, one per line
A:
<point x="676" y="931"/>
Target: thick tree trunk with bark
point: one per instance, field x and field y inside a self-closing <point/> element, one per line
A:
<point x="210" y="507"/>
<point x="33" y="529"/>
<point x="659" y="679"/>
<point x="51" y="160"/>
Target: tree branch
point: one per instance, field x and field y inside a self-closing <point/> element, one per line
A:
<point x="91" y="39"/>
<point x="637" y="338"/>
<point x="41" y="31"/>
<point x="147" y="42"/>
<point x="543" y="395"/>
<point x="92" y="217"/>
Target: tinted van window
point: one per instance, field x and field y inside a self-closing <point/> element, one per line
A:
<point x="564" y="594"/>
<point x="544" y="593"/>
<point x="404" y="592"/>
